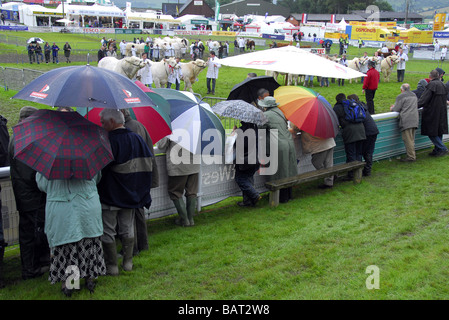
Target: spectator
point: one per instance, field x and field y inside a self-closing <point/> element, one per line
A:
<point x="286" y="152"/>
<point x="407" y="105"/>
<point x="213" y="65"/>
<point x="111" y="52"/>
<point x="421" y="87"/>
<point x="434" y="114"/>
<point x="371" y="132"/>
<point x="122" y="189"/>
<point x="441" y="73"/>
<point x="246" y="163"/>
<point x="55" y="50"/>
<point x="73" y="226"/>
<point x="67" y="50"/>
<point x="4" y="162"/>
<point x="352" y="133"/>
<point x="101" y="53"/>
<point x="402" y="58"/>
<point x="322" y="151"/>
<point x="47" y="51"/>
<point x="30" y="202"/>
<point x="141" y="234"/>
<point x="31" y="54"/>
<point x="370" y="85"/>
<point x="183" y="171"/>
<point x="241" y="43"/>
<point x="343" y="62"/>
<point x="38" y="52"/>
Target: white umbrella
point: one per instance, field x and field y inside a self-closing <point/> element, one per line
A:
<point x="293" y="60"/>
<point x="66" y="21"/>
<point x="35" y="39"/>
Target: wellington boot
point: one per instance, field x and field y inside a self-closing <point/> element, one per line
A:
<point x="110" y="258"/>
<point x="182" y="212"/>
<point x="128" y="248"/>
<point x="191" y="207"/>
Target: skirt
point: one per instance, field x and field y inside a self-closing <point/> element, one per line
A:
<point x="85" y="256"/>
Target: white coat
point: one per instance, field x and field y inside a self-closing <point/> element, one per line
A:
<point x="146" y="76"/>
<point x="213" y="64"/>
<point x="175" y="74"/>
<point x="402" y="59"/>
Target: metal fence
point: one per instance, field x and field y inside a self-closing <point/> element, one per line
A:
<point x="16" y="79"/>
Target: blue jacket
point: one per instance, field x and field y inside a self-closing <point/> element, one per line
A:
<point x="126" y="181"/>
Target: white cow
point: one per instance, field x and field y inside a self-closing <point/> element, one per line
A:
<point x="128" y="66"/>
<point x="139" y="49"/>
<point x="387" y="66"/>
<point x="160" y="71"/>
<point x="357" y="64"/>
<point x="291" y="77"/>
<point x="190" y="72"/>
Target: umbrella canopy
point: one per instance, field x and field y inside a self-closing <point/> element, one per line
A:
<point x="84" y="86"/>
<point x="156" y="119"/>
<point x="190" y="120"/>
<point x="293" y="60"/>
<point x="247" y="89"/>
<point x="62" y="145"/>
<point x="35" y="40"/>
<point x="241" y="110"/>
<point x="308" y="110"/>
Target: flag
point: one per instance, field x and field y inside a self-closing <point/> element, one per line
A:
<point x="304" y="18"/>
<point x="333" y="18"/>
<point x="217" y="10"/>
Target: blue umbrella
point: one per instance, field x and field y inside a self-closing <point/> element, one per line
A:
<point x="194" y="127"/>
<point x="85" y="86"/>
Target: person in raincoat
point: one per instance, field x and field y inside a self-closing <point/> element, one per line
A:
<point x="286" y="152"/>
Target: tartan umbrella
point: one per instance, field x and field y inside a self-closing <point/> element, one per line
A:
<point x="62" y="145"/>
<point x="84" y="86"/>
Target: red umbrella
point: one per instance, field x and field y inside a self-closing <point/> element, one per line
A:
<point x="155" y="119"/>
<point x="62" y="145"/>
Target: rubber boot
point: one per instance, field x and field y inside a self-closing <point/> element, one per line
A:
<point x="110" y="258"/>
<point x="191" y="207"/>
<point x="182" y="212"/>
<point x="128" y="248"/>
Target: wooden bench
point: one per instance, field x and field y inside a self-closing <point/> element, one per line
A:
<point x="274" y="186"/>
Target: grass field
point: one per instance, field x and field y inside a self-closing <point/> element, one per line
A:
<point x="317" y="246"/>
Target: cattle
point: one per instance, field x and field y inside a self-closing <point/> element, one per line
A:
<point x="357" y="64"/>
<point x="190" y="72"/>
<point x="139" y="49"/>
<point x="387" y="66"/>
<point x="291" y="77"/>
<point x="128" y="66"/>
<point x="391" y="52"/>
<point x="160" y="71"/>
<point x="250" y="45"/>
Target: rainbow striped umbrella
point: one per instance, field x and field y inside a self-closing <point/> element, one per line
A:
<point x="308" y="110"/>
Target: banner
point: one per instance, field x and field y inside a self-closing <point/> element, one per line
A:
<point x="217" y="10"/>
<point x="438" y="21"/>
<point x="441" y="34"/>
<point x="304" y="18"/>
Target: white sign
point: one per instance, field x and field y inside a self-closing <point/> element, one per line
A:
<point x="198" y="3"/>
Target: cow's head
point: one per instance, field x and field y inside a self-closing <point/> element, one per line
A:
<point x="170" y="62"/>
<point x="135" y="61"/>
<point x="200" y="63"/>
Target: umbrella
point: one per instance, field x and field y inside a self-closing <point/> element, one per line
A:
<point x="35" y="40"/>
<point x="308" y="110"/>
<point x="190" y="120"/>
<point x="241" y="110"/>
<point x="181" y="95"/>
<point x="84" y="86"/>
<point x="293" y="60"/>
<point x="62" y="145"/>
<point x="156" y="119"/>
<point x="247" y="89"/>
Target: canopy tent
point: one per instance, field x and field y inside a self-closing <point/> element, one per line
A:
<point x="292" y="60"/>
<point x="151" y="17"/>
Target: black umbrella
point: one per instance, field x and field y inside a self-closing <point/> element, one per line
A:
<point x="247" y="89"/>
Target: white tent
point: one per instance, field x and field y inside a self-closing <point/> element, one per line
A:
<point x="293" y="60"/>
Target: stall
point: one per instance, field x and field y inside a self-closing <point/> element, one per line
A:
<point x="151" y="20"/>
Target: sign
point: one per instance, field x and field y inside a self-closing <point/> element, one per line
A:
<point x="224" y="33"/>
<point x="128" y="31"/>
<point x="389" y="24"/>
<point x="193" y="32"/>
<point x="438" y="22"/>
<point x="197" y="3"/>
<point x="206" y="22"/>
<point x="273" y="36"/>
<point x="315" y="50"/>
<point x="47" y="14"/>
<point x="422" y="26"/>
<point x="441" y="34"/>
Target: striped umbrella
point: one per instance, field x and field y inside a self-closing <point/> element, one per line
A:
<point x="308" y="110"/>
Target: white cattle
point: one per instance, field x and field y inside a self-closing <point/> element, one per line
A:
<point x="139" y="49"/>
<point x="160" y="71"/>
<point x="128" y="66"/>
<point x="357" y="64"/>
<point x="387" y="66"/>
<point x="291" y="77"/>
<point x="190" y="72"/>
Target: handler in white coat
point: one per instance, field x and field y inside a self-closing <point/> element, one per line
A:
<point x="146" y="77"/>
<point x="213" y="64"/>
<point x="175" y="76"/>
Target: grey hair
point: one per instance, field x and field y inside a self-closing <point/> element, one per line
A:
<point x="405" y="87"/>
<point x="113" y="114"/>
